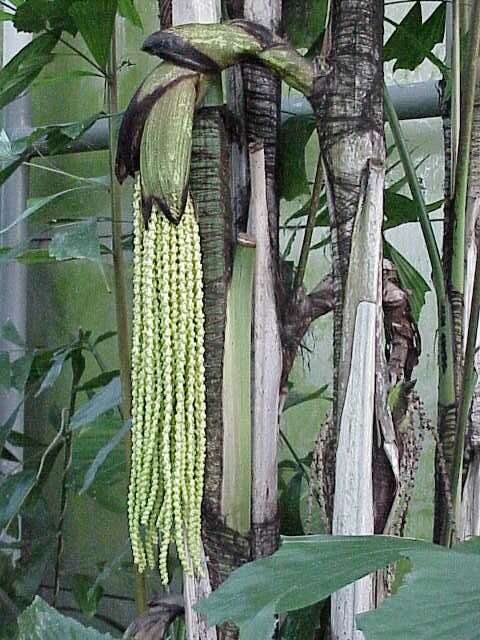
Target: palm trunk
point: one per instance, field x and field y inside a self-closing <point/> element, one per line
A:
<point x="348" y="101"/>
<point x="470" y="514"/>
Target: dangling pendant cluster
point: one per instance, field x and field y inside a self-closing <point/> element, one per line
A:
<point x="168" y="391"/>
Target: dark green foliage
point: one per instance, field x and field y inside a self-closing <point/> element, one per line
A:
<point x="306" y="570"/>
<point x="95" y="19"/>
<point x="410" y="280"/>
<point x="414" y="40"/>
<point x="41" y="622"/>
<point x="294" y="135"/>
<point x="35" y="16"/>
<point x="304" y="21"/>
<point x="21" y="71"/>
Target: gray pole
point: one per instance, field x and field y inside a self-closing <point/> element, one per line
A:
<point x="13" y="277"/>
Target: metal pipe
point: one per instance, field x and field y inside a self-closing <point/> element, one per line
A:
<point x="412" y="101"/>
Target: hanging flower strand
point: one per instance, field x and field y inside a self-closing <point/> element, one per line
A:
<point x="168" y="370"/>
<point x="168" y="433"/>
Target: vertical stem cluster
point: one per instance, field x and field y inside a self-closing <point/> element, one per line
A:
<point x="455" y="414"/>
<point x="168" y="410"/>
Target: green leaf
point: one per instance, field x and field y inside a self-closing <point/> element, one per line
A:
<point x="302" y="624"/>
<point x="11" y="168"/>
<point x="86" y="597"/>
<point x="6" y="427"/>
<point x="413" y="41"/>
<point x="78" y="240"/>
<point x="103" y="454"/>
<point x="99" y="381"/>
<point x="21" y="368"/>
<point x="304" y="21"/>
<point x="5" y="16"/>
<point x="105" y="400"/>
<point x="21" y="71"/>
<point x="126" y="8"/>
<point x="31" y="570"/>
<point x="35" y="204"/>
<point x="5" y="370"/>
<point x="400" y="209"/>
<point x="9" y="332"/>
<point x="104" y="336"/>
<point x="304" y="571"/>
<point x="410" y="280"/>
<point x="34" y="16"/>
<point x="95" y="20"/>
<point x="13" y="492"/>
<point x="55" y="369"/>
<point x="295" y="132"/>
<point x="41" y="622"/>
<point x="290" y="518"/>
<point x="110" y="475"/>
<point x="57" y="138"/>
<point x="440" y="600"/>
<point x="122" y="560"/>
<point x="295" y="398"/>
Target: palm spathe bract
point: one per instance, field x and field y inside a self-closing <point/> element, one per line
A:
<point x="168" y="375"/>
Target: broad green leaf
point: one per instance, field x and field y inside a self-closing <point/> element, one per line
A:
<point x="21" y="71"/>
<point x="34" y="16"/>
<point x="6" y="16"/>
<point x="126" y="8"/>
<point x="9" y="332"/>
<point x="413" y="41"/>
<point x="13" y="492"/>
<point x="95" y="20"/>
<point x="41" y="622"/>
<point x="35" y="204"/>
<point x="295" y="398"/>
<point x="410" y="280"/>
<point x="304" y="21"/>
<point x="105" y="400"/>
<point x="304" y="571"/>
<point x="78" y="240"/>
<point x="440" y="600"/>
<point x="400" y="209"/>
<point x="295" y="132"/>
<point x="86" y="597"/>
<point x="103" y="454"/>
